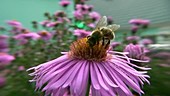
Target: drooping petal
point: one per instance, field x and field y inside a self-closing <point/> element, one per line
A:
<point x="94" y="80"/>
<point x="99" y="77"/>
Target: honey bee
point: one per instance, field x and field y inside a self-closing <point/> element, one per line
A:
<point x="102" y="33"/>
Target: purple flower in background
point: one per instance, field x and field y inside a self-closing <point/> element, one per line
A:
<point x="145" y="22"/>
<point x="162" y="55"/>
<point x="133" y="38"/>
<point x="115" y="44"/>
<point x="45" y="22"/>
<point x="5" y="59"/>
<point x="14" y="23"/>
<point x="80" y="33"/>
<point x="91" y="25"/>
<point x="94" y="16"/>
<point x="109" y="20"/>
<point x="60" y="14"/>
<point x="109" y="73"/>
<point x="3" y="43"/>
<point x="2" y="81"/>
<point x="84" y="9"/>
<point x="79" y="6"/>
<point x="64" y="3"/>
<point x="3" y="37"/>
<point x="135" y="21"/>
<point x="136" y="52"/>
<point x="63" y="20"/>
<point x="25" y="37"/>
<point x="21" y="68"/>
<point x="146" y="41"/>
<point x="18" y="30"/>
<point x="139" y="22"/>
<point x="30" y="35"/>
<point x="53" y="24"/>
<point x="45" y="35"/>
<point x="78" y="15"/>
<point x="134" y="29"/>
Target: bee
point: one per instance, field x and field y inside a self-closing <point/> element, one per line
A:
<point x="102" y="33"/>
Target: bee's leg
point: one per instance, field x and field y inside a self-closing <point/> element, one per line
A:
<point x="91" y="41"/>
<point x="107" y="44"/>
<point x="88" y="37"/>
<point x="103" y="41"/>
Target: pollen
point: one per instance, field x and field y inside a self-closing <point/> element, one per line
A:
<point x="80" y="49"/>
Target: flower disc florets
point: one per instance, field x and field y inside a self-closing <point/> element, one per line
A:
<point x="80" y="49"/>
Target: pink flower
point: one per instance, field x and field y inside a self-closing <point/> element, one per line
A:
<point x="105" y="73"/>
<point x="30" y="35"/>
<point x="115" y="44"/>
<point x="17" y="30"/>
<point x="21" y="68"/>
<point x="79" y="6"/>
<point x="3" y="37"/>
<point x="162" y="55"/>
<point x="94" y="16"/>
<point x="2" y="81"/>
<point x="133" y="38"/>
<point x="3" y="43"/>
<point x="84" y="9"/>
<point x="87" y="8"/>
<point x="45" y="35"/>
<point x="53" y="24"/>
<point x="134" y="28"/>
<point x="80" y="33"/>
<point x="91" y="25"/>
<point x="146" y="22"/>
<point x="146" y="41"/>
<point x="139" y="21"/>
<point x="63" y="20"/>
<point x="110" y="20"/>
<point x="90" y="7"/>
<point x="64" y="3"/>
<point x="14" y="23"/>
<point x="6" y="59"/>
<point x="45" y="22"/>
<point x="78" y="15"/>
<point x="24" y="37"/>
<point x="60" y="14"/>
<point x="135" y="21"/>
<point x="136" y="52"/>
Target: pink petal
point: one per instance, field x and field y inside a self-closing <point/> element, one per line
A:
<point x="94" y="80"/>
<point x="99" y="77"/>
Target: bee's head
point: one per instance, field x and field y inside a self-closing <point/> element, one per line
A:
<point x="106" y="30"/>
<point x="97" y="34"/>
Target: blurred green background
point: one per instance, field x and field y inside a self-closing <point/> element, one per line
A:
<point x="27" y="11"/>
<point x="158" y="11"/>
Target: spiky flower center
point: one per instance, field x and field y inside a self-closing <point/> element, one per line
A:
<point x="81" y="49"/>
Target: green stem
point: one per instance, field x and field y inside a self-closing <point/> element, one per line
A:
<point x="88" y="86"/>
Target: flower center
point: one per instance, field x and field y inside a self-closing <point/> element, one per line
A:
<point x="44" y="33"/>
<point x="81" y="49"/>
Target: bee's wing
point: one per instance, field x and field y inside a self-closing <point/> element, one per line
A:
<point x="102" y="22"/>
<point x="113" y="27"/>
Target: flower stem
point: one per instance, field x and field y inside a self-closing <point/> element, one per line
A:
<point x="88" y="87"/>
